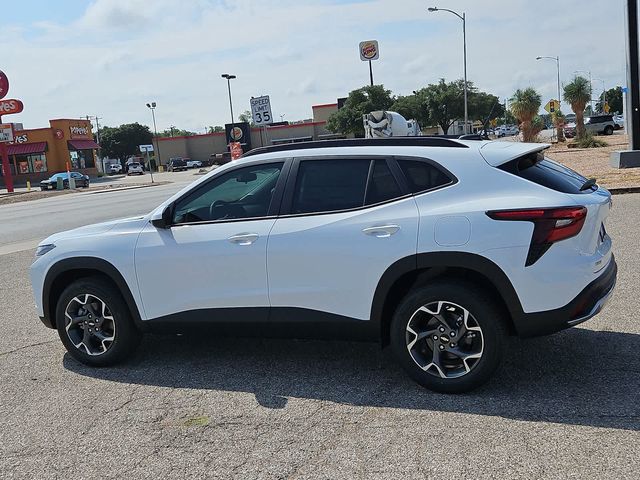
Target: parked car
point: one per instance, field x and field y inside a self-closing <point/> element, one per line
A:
<point x="193" y="163"/>
<point x="176" y="165"/>
<point x="569" y="130"/>
<point x="362" y="238"/>
<point x="135" y="168"/>
<point x="600" y="124"/>
<point x="506" y="131"/>
<point x="115" y="168"/>
<point x="219" y="158"/>
<point x="52" y="182"/>
<point x="619" y="121"/>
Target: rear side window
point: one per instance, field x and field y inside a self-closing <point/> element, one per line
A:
<point x="329" y="185"/>
<point x="543" y="171"/>
<point x="382" y="184"/>
<point x="422" y="176"/>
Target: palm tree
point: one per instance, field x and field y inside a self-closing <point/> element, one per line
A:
<point x="558" y="121"/>
<point x="525" y="105"/>
<point x="578" y="94"/>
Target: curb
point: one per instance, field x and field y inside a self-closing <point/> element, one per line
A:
<point x="119" y="189"/>
<point x="623" y="190"/>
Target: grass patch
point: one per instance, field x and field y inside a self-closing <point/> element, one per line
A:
<point x="587" y="141"/>
<point x="200" y="421"/>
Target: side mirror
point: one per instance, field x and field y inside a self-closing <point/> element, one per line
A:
<point x="162" y="219"/>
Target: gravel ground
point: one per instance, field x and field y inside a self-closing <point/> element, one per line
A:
<point x="594" y="162"/>
<point x="564" y="406"/>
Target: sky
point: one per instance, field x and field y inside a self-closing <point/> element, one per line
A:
<point x="108" y="58"/>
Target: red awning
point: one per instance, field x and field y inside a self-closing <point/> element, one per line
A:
<point x="26" y="148"/>
<point x="82" y="145"/>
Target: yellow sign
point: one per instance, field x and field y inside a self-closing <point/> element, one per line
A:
<point x="606" y="107"/>
<point x="552" y="106"/>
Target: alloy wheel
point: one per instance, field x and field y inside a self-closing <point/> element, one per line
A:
<point x="444" y="339"/>
<point x="89" y="324"/>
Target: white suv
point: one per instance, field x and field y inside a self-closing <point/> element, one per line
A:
<point x="438" y="247"/>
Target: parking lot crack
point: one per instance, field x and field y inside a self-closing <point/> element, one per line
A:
<point x="2" y="354"/>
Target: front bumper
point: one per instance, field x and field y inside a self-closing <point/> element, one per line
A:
<point x="588" y="303"/>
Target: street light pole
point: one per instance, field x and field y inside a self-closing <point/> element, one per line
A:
<point x="557" y="60"/>
<point x="464" y="46"/>
<point x="229" y="78"/>
<point x="604" y="94"/>
<point x="152" y="107"/>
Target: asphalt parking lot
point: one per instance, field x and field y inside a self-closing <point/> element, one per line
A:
<point x="564" y="406"/>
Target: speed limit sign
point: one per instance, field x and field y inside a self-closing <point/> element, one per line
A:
<point x="261" y="110"/>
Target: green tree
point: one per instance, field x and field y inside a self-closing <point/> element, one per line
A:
<point x="246" y="117"/>
<point x="123" y="141"/>
<point x="614" y="99"/>
<point x="348" y="120"/>
<point x="215" y="129"/>
<point x="444" y="102"/>
<point x="176" y="132"/>
<point x="577" y="94"/>
<point x="412" y="107"/>
<point x="524" y="105"/>
<point x="483" y="106"/>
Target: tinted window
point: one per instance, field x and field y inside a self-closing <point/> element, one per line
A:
<point x="422" y="176"/>
<point x="241" y="193"/>
<point x="329" y="185"/>
<point x="382" y="184"/>
<point x="548" y="173"/>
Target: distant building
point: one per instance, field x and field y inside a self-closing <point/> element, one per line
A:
<point x="202" y="147"/>
<point x="38" y="153"/>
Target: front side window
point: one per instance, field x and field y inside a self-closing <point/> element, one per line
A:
<point x="330" y="185"/>
<point x="241" y="193"/>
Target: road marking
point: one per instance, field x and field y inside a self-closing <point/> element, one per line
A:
<point x="18" y="247"/>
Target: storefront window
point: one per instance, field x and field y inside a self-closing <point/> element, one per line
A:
<point x="82" y="159"/>
<point x="34" y="163"/>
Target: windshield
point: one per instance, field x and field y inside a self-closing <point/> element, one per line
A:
<point x="58" y="175"/>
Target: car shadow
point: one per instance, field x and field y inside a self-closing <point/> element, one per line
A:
<point x="577" y="377"/>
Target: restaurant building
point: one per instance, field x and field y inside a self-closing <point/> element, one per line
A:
<point x="38" y="153"/>
<point x="202" y="147"/>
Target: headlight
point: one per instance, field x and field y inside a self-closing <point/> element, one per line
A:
<point x="42" y="249"/>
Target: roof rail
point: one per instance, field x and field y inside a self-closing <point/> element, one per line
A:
<point x="424" y="141"/>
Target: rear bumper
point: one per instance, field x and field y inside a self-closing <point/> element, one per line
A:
<point x="588" y="303"/>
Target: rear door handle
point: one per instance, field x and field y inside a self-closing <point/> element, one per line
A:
<point x="243" y="238"/>
<point x="381" y="231"/>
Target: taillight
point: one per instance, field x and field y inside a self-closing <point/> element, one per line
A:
<point x="550" y="225"/>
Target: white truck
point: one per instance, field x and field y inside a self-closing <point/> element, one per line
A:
<point x="383" y="124"/>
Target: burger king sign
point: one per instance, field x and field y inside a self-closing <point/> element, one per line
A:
<point x="369" y="50"/>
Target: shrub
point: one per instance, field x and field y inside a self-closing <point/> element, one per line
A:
<point x="588" y="141"/>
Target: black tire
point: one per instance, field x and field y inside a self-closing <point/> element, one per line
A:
<point x="483" y="311"/>
<point x="126" y="336"/>
<point x="608" y="130"/>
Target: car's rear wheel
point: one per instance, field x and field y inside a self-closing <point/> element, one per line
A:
<point x="608" y="130"/>
<point x="448" y="337"/>
<point x="94" y="323"/>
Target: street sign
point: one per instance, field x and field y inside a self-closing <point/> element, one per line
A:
<point x="4" y="85"/>
<point x="146" y="148"/>
<point x="261" y="110"/>
<point x="6" y="132"/>
<point x="369" y="50"/>
<point x="10" y="106"/>
<point x="552" y="106"/>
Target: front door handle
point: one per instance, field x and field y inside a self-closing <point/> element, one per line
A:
<point x="243" y="238"/>
<point x="381" y="231"/>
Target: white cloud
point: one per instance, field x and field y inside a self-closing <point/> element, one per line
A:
<point x="119" y="54"/>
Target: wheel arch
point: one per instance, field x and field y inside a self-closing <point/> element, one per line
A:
<point x="68" y="270"/>
<point x="420" y="269"/>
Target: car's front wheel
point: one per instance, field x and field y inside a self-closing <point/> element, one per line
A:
<point x="94" y="323"/>
<point x="448" y="337"/>
<point x="608" y="130"/>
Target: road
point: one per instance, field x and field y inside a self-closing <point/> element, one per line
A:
<point x="25" y="224"/>
<point x="564" y="406"/>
